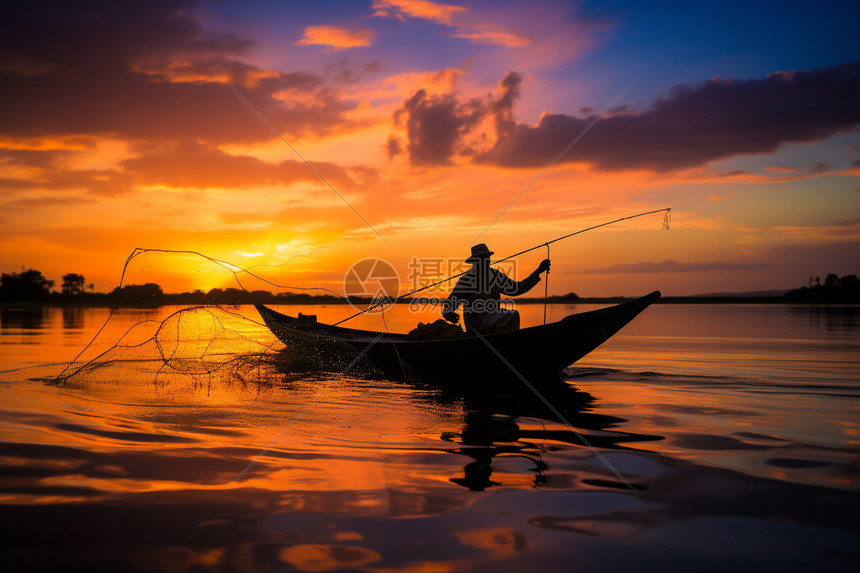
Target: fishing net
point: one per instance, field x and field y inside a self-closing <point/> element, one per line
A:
<point x="202" y="337"/>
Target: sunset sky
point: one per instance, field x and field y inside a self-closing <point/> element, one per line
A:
<point x="118" y="130"/>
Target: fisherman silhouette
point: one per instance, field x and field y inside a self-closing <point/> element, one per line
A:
<point x="480" y="290"/>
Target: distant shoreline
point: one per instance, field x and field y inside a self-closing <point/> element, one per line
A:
<point x="30" y="289"/>
<point x="727" y="300"/>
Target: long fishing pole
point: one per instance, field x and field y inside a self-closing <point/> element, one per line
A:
<point x="666" y="220"/>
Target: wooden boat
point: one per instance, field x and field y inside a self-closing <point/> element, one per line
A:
<point x="534" y="352"/>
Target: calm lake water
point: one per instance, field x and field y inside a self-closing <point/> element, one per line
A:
<point x="704" y="437"/>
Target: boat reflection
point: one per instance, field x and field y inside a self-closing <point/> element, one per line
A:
<point x="507" y="423"/>
<point x="520" y="424"/>
<point x="485" y="438"/>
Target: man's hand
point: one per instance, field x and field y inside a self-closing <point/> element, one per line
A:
<point x="451" y="317"/>
<point x="544" y="266"/>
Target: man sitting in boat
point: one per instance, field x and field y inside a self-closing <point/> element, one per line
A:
<point x="480" y="290"/>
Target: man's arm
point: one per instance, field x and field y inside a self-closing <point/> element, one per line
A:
<point x="517" y="288"/>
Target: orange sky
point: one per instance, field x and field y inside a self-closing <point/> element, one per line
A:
<point x="429" y="119"/>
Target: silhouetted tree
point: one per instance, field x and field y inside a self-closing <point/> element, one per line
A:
<point x="28" y="285"/>
<point x="834" y="289"/>
<point x="214" y="295"/>
<point x="145" y="293"/>
<point x="848" y="282"/>
<point x="73" y="283"/>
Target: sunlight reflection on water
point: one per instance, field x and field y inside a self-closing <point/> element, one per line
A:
<point x="736" y="422"/>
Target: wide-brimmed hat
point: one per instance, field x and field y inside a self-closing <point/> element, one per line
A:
<point x="479" y="251"/>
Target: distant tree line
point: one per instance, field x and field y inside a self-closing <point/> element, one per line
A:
<point x="151" y="293"/>
<point x="32" y="286"/>
<point x="833" y="289"/>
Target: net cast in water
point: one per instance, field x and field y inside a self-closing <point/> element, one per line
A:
<point x="200" y="337"/>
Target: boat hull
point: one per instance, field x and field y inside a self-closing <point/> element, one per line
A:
<point x="534" y="352"/>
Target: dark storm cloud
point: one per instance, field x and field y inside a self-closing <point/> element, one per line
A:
<point x="691" y="126"/>
<point x="103" y="67"/>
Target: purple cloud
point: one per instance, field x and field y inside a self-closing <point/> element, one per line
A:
<point x="436" y="125"/>
<point x="696" y="124"/>
<point x="693" y="125"/>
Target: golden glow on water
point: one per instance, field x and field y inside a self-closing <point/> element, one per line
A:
<point x="344" y="472"/>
